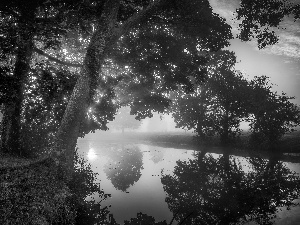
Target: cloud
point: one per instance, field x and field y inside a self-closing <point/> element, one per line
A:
<point x="289" y="40"/>
<point x="288" y="31"/>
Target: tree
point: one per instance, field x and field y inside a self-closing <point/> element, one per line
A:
<point x="47" y="26"/>
<point x="23" y="26"/>
<point x="124" y="120"/>
<point x="45" y="99"/>
<point x="258" y="20"/>
<point x="145" y="219"/>
<point x="273" y="115"/>
<point x="110" y="26"/>
<point x="10" y="136"/>
<point x="229" y="88"/>
<point x="107" y="23"/>
<point x="194" y="111"/>
<point x="218" y="106"/>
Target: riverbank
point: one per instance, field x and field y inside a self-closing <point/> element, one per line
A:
<point x="31" y="194"/>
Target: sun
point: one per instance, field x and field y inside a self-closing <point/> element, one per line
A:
<point x="91" y="154"/>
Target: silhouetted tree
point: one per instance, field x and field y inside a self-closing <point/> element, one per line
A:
<point x="258" y="20"/>
<point x="218" y="105"/>
<point x="273" y="115"/>
<point x="143" y="219"/>
<point x="124" y="120"/>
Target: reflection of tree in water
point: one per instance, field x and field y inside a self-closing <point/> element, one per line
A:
<point x="143" y="219"/>
<point x="124" y="166"/>
<point x="217" y="191"/>
<point x="157" y="156"/>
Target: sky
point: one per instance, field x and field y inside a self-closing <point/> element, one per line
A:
<point x="280" y="62"/>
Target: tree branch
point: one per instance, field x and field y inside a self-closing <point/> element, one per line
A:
<point x="51" y="58"/>
<point x="137" y="18"/>
<point x="9" y="12"/>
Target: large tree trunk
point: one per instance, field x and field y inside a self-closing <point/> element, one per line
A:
<point x="11" y="126"/>
<point x="66" y="138"/>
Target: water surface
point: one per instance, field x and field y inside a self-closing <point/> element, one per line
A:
<point x="136" y="174"/>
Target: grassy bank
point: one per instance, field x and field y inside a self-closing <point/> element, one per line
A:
<point x="31" y="194"/>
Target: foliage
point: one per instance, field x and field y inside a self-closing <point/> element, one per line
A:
<point x="217" y="191"/>
<point x="143" y="219"/>
<point x="102" y="110"/>
<point x="65" y="28"/>
<point x="32" y="195"/>
<point x="192" y="112"/>
<point x="273" y="115"/>
<point x="259" y="17"/>
<point x="47" y="93"/>
<point x="217" y="106"/>
<point x="103" y="28"/>
<point x="158" y="57"/>
<point x="23" y="27"/>
<point x="279" y="116"/>
<point x="82" y="185"/>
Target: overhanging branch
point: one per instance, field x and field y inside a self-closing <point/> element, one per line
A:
<point x="9" y="12"/>
<point x="137" y="18"/>
<point x="51" y="58"/>
<point x="40" y="52"/>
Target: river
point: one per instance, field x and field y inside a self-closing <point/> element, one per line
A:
<point x="141" y="178"/>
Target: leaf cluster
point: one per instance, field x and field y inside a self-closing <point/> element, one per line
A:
<point x="259" y="17"/>
<point x="273" y="114"/>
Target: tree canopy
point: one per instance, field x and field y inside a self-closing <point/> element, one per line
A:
<point x="164" y="37"/>
<point x="218" y="105"/>
<point x="271" y="115"/>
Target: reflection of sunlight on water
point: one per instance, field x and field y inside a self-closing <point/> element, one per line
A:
<point x="91" y="154"/>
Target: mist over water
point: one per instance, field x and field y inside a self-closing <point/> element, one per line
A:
<point x="131" y="171"/>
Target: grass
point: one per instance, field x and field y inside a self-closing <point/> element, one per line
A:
<point x="31" y="194"/>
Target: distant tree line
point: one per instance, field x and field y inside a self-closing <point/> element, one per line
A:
<point x="227" y="98"/>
